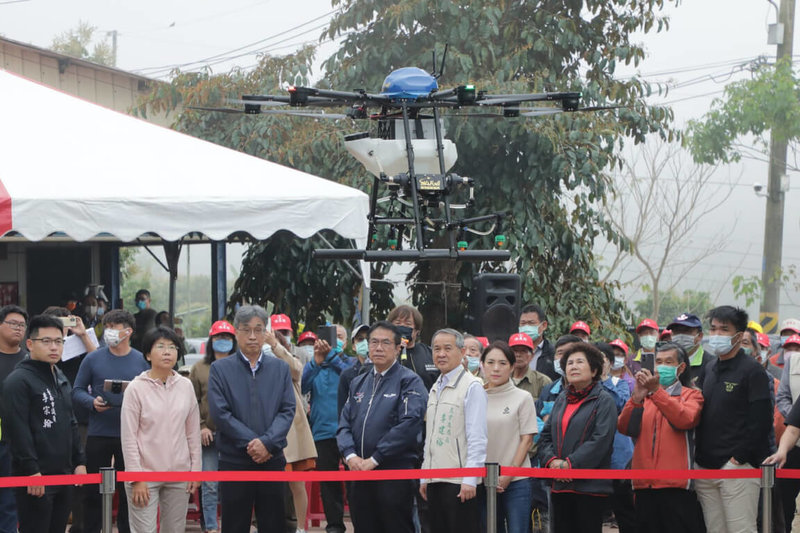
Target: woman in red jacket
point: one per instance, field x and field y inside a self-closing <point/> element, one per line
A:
<point x="661" y="416"/>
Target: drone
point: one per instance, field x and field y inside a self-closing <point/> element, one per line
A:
<point x="411" y="160"/>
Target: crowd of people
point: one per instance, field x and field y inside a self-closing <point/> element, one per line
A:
<point x="719" y="397"/>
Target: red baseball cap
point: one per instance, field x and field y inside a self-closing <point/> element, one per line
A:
<point x="665" y="333"/>
<point x="794" y="339"/>
<point x="484" y="341"/>
<point x="792" y="324"/>
<point x="308" y="335"/>
<point x="763" y="339"/>
<point x="520" y="339"/>
<point x="279" y="322"/>
<point x="221" y="326"/>
<point x="619" y="343"/>
<point x="647" y="323"/>
<point x="580" y="326"/>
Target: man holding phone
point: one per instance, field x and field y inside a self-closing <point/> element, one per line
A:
<point x="95" y="389"/>
<point x="321" y="379"/>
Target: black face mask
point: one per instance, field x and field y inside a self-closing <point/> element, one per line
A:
<point x="405" y="332"/>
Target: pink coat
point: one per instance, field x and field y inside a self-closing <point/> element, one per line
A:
<point x="161" y="425"/>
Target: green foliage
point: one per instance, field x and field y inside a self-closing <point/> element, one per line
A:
<point x="674" y="304"/>
<point x="751" y="288"/>
<point x="77" y="41"/>
<point x="770" y="101"/>
<point x="550" y="173"/>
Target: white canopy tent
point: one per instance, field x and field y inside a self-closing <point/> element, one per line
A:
<point x="74" y="168"/>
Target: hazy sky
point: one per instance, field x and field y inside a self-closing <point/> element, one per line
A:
<point x="709" y="44"/>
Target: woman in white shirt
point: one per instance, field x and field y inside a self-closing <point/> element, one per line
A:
<point x="510" y="418"/>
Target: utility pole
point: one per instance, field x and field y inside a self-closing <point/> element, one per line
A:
<point x="773" y="227"/>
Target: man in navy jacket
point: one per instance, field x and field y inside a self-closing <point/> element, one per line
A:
<point x="251" y="400"/>
<point x="381" y="427"/>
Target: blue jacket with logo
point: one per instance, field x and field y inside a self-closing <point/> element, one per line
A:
<point x="384" y="420"/>
<point x="322" y="381"/>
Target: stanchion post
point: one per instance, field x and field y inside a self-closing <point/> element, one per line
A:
<point x="490" y="482"/>
<point x="107" y="486"/>
<point x="767" y="482"/>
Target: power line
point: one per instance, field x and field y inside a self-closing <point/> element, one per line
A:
<point x="226" y="56"/>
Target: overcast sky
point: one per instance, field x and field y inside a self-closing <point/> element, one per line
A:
<point x="709" y="44"/>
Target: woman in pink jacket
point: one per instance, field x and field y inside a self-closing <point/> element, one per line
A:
<point x="160" y="433"/>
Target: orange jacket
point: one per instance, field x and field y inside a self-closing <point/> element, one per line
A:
<point x="662" y="431"/>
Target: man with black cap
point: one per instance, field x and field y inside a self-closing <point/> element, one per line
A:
<point x="687" y="332"/>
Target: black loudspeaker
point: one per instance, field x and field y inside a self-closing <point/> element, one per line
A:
<point x="494" y="306"/>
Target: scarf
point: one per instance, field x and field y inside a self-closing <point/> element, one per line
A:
<point x="575" y="396"/>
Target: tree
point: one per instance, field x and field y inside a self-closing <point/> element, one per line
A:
<point x="674" y="304"/>
<point x="550" y="173"/>
<point x="77" y="41"/>
<point x="659" y="204"/>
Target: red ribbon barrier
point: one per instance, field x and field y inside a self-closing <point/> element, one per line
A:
<point x="375" y="475"/>
<point x="334" y="475"/>
<point x="580" y="473"/>
<point x="38" y="481"/>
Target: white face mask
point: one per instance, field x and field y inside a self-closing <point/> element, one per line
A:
<point x="91" y="310"/>
<point x="306" y="351"/>
<point x="114" y="337"/>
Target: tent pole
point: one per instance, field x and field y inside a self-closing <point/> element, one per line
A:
<point x="218" y="280"/>
<point x="116" y="301"/>
<point x="172" y="251"/>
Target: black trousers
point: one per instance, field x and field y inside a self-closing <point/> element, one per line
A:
<point x="239" y="498"/>
<point x="447" y="513"/>
<point x="330" y="491"/>
<point x="789" y="488"/>
<point x="99" y="451"/>
<point x="622" y="505"/>
<point x="384" y="506"/>
<point x="47" y="514"/>
<point x="577" y="513"/>
<point x="668" y="511"/>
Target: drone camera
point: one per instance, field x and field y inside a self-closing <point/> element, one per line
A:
<point x="357" y="111"/>
<point x="571" y="103"/>
<point x="466" y="95"/>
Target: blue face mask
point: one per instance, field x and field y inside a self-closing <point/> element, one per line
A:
<point x="141" y="304"/>
<point x="222" y="345"/>
<point x="530" y="331"/>
<point x="557" y="367"/>
<point x="339" y="345"/>
<point x="473" y="363"/>
<point x="748" y="351"/>
<point x="719" y="345"/>
<point x="100" y="311"/>
<point x="362" y="348"/>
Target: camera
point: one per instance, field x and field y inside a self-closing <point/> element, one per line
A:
<point x="757" y="187"/>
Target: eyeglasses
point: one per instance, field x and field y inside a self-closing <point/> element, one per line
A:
<point x="14" y="324"/>
<point x="47" y="341"/>
<point x="386" y="343"/>
<point x="166" y="347"/>
<point x="248" y="331"/>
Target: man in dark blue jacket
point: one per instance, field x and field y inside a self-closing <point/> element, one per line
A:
<point x="381" y="427"/>
<point x="251" y="400"/>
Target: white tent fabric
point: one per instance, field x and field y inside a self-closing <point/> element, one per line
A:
<point x="70" y="166"/>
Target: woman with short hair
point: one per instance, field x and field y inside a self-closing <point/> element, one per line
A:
<point x="580" y="434"/>
<point x="160" y="432"/>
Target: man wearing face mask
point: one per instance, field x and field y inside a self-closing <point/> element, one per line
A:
<point x="116" y="361"/>
<point x="735" y="424"/>
<point x="522" y="375"/>
<point x="687" y="332"/>
<point x="144" y="319"/>
<point x="533" y="323"/>
<point x="661" y="416"/>
<point x="789" y="327"/>
<point x="415" y="355"/>
<point x="305" y="346"/>
<point x="361" y="365"/>
<point x="647" y="331"/>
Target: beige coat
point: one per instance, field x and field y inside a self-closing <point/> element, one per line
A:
<point x="199" y="378"/>
<point x="300" y="441"/>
